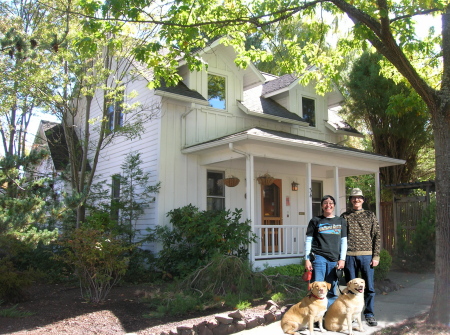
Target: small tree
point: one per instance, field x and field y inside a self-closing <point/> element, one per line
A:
<point x="135" y="194"/>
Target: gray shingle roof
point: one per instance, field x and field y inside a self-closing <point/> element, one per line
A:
<point x="278" y="84"/>
<point x="267" y="106"/>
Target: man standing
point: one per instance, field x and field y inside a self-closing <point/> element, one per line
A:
<point x="363" y="249"/>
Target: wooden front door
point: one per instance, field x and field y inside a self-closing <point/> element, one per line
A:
<point x="272" y="215"/>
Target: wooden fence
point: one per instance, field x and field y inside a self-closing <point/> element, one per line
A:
<point x="404" y="212"/>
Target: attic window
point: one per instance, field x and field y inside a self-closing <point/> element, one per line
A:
<point x="216" y="91"/>
<point x="309" y="111"/>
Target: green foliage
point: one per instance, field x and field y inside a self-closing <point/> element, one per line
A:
<point x="41" y="260"/>
<point x="197" y="236"/>
<point x="243" y="305"/>
<point x="419" y="252"/>
<point x="382" y="269"/>
<point x="293" y="270"/>
<point x="97" y="258"/>
<point x="278" y="297"/>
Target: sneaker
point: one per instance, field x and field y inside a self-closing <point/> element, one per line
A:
<point x="371" y="321"/>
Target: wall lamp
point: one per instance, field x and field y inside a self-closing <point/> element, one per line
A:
<point x="294" y="186"/>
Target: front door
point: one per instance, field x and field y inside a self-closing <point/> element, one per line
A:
<point x="272" y="215"/>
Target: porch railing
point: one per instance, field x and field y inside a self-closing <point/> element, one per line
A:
<point x="279" y="241"/>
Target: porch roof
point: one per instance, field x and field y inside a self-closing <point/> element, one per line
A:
<point x="267" y="136"/>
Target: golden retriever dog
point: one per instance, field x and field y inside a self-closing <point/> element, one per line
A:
<point x="347" y="307"/>
<point x="309" y="310"/>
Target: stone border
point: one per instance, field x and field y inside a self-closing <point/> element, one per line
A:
<point x="236" y="321"/>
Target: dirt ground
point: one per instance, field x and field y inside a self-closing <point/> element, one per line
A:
<point x="59" y="309"/>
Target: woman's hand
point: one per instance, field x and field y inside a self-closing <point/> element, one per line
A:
<point x="308" y="265"/>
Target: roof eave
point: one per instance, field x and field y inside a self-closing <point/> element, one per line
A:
<point x="388" y="161"/>
<point x="181" y="97"/>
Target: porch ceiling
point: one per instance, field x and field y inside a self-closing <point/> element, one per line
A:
<point x="282" y="151"/>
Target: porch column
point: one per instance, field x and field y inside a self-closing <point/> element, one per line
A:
<point x="377" y="196"/>
<point x="308" y="193"/>
<point x="250" y="200"/>
<point x="337" y="207"/>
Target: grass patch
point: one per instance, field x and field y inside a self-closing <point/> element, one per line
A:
<point x="13" y="312"/>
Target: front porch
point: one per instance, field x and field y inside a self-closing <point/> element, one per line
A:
<point x="279" y="214"/>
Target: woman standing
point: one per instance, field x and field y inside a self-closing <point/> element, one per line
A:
<point x="326" y="246"/>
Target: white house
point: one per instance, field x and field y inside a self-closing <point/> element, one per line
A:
<point x="226" y="121"/>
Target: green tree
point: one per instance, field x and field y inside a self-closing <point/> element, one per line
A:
<point x="135" y="193"/>
<point x="393" y="116"/>
<point x="92" y="73"/>
<point x="388" y="26"/>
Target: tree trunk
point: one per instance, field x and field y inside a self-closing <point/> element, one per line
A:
<point x="440" y="307"/>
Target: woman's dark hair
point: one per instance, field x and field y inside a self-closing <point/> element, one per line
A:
<point x="327" y="197"/>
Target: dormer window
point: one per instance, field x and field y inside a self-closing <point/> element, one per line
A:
<point x="217" y="91"/>
<point x="309" y="111"/>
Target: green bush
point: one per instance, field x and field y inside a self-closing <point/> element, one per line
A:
<point x="197" y="236"/>
<point x="384" y="266"/>
<point x="418" y="253"/>
<point x="292" y="270"/>
<point x="13" y="282"/>
<point x="141" y="267"/>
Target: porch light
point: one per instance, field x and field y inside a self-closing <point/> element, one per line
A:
<point x="294" y="186"/>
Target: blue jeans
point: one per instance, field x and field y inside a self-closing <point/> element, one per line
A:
<point x="324" y="270"/>
<point x="355" y="264"/>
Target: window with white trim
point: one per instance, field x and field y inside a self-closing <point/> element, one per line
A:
<point x="217" y="91"/>
<point x="215" y="190"/>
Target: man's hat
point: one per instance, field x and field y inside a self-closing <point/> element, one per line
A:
<point x="356" y="192"/>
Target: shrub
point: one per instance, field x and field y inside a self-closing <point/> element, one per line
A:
<point x="141" y="266"/>
<point x="98" y="259"/>
<point x="197" y="236"/>
<point x="292" y="270"/>
<point x="384" y="266"/>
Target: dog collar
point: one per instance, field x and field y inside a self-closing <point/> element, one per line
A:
<point x="315" y="296"/>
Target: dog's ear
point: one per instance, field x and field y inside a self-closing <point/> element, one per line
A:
<point x="328" y="286"/>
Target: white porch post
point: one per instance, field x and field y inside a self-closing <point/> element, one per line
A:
<point x="337" y="207"/>
<point x="308" y="193"/>
<point x="250" y="200"/>
<point x="377" y="195"/>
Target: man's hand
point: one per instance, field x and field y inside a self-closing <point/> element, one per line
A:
<point x="374" y="263"/>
